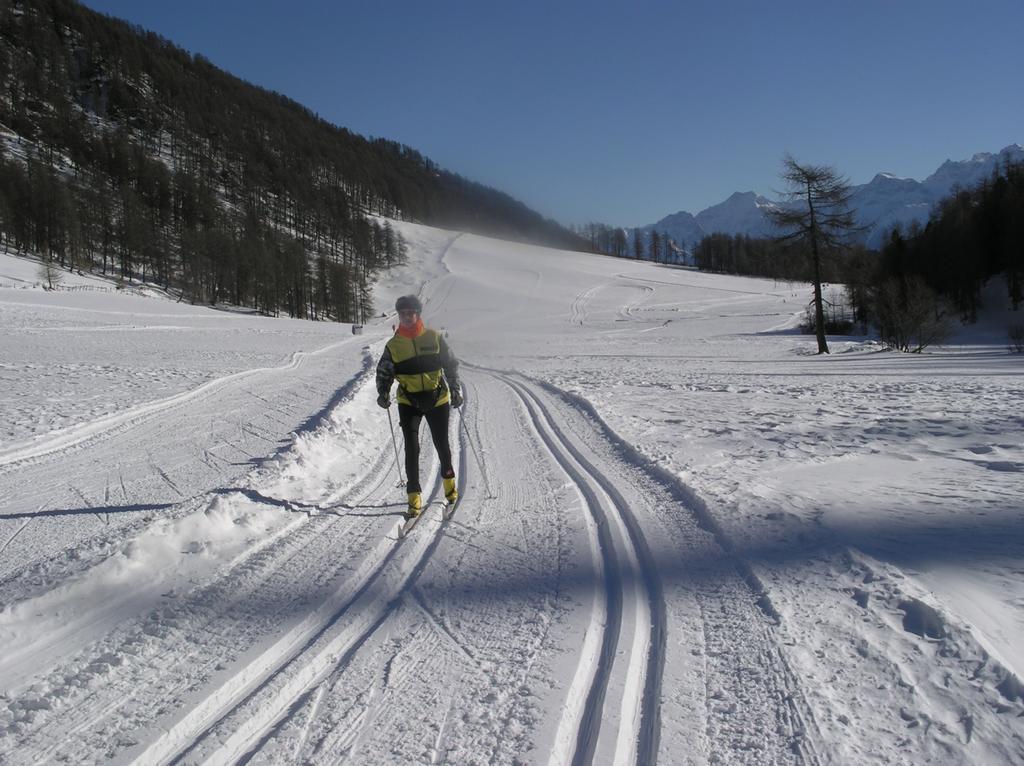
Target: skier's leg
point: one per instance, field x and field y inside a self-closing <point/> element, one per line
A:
<point x="437" y="419"/>
<point x="409" y="419"/>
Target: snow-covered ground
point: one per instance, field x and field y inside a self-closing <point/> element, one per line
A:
<point x="684" y="537"/>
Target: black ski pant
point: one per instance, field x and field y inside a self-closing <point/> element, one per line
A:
<point x="437" y="419"/>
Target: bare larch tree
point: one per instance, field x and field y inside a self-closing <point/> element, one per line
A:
<point x="818" y="216"/>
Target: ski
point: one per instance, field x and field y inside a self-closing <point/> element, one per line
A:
<point x="446" y="513"/>
<point x="406" y="526"/>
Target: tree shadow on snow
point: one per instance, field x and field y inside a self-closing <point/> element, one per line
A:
<point x="101" y="510"/>
<point x="996" y="541"/>
<point x="298" y="505"/>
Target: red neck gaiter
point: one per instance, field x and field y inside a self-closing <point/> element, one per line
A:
<point x="411" y="332"/>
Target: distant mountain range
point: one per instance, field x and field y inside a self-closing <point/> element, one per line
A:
<point x="886" y="200"/>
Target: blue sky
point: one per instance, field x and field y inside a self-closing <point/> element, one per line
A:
<point x="624" y="112"/>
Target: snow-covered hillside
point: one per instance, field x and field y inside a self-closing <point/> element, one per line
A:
<point x="684" y="538"/>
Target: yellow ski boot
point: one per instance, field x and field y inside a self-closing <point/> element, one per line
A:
<point x="451" y="494"/>
<point x="415" y="507"/>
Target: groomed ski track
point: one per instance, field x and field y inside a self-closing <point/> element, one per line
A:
<point x="111" y="476"/>
<point x="673" y="545"/>
<point x="579" y="607"/>
<point x="625" y="564"/>
<point x="292" y="654"/>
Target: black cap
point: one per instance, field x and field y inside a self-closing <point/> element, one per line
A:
<point x="407" y="302"/>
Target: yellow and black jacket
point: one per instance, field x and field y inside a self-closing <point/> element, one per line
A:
<point x="424" y="367"/>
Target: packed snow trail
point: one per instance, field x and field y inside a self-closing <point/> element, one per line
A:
<point x="621" y="738"/>
<point x="640" y="713"/>
<point x="416" y="599"/>
<point x="641" y="569"/>
<point x="86" y="490"/>
<point x="80" y="436"/>
<point x="232" y="611"/>
<point x="245" y="678"/>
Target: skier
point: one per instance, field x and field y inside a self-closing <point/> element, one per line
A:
<point x="428" y="386"/>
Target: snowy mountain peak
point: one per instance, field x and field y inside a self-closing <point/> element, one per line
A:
<point x="740" y="202"/>
<point x="682" y="215"/>
<point x="887" y="184"/>
<point x="741" y="213"/>
<point x="743" y="200"/>
<point x="965" y="173"/>
<point x="885" y="201"/>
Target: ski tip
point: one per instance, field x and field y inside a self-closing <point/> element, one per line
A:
<point x="405" y="526"/>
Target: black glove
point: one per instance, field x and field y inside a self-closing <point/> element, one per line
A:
<point x="456" y="396"/>
<point x="383" y="401"/>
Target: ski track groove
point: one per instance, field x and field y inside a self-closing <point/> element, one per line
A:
<point x="749" y="686"/>
<point x="108" y="610"/>
<point x="17" y="532"/>
<point x="411" y="659"/>
<point x="206" y="612"/>
<point x="244" y="738"/>
<point x="650" y="714"/>
<point x="405" y="704"/>
<point x="578" y="311"/>
<point x="757" y="712"/>
<point x="314" y="706"/>
<point x="484" y="473"/>
<point x="274" y="563"/>
<point x="248" y="737"/>
<point x="82" y="435"/>
<point x="348" y="737"/>
<point x="607" y="612"/>
<point x="638" y="557"/>
<point x="26" y="570"/>
<point x="441" y="627"/>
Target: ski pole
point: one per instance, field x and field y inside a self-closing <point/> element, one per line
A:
<point x="479" y="462"/>
<point x="394" y="442"/>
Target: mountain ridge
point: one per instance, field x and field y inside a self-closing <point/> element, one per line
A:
<point x="881" y="203"/>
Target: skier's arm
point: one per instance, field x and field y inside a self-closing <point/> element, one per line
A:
<point x="385" y="373"/>
<point x="450" y="365"/>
